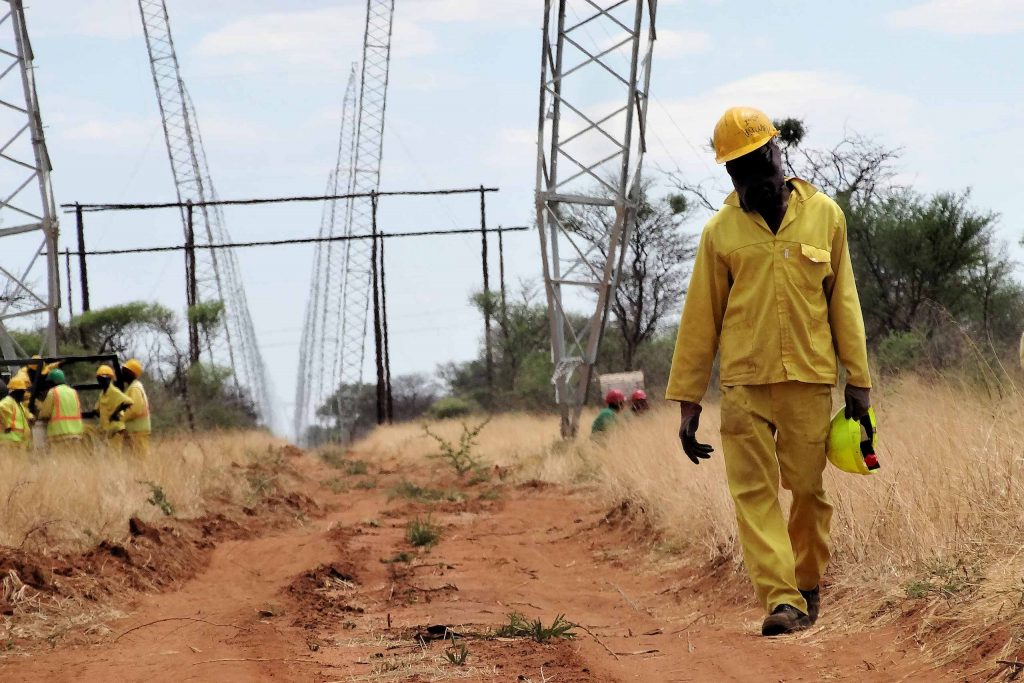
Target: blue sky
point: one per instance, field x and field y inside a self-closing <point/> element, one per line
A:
<point x="940" y="78"/>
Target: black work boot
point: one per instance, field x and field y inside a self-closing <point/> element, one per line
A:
<point x="813" y="598"/>
<point x="784" y="619"/>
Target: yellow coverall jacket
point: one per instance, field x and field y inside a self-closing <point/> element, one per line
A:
<point x="778" y="308"/>
<point x="136" y="418"/>
<point x="15" y="428"/>
<point x="107" y="403"/>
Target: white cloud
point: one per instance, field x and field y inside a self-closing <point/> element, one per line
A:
<point x="328" y="37"/>
<point x="515" y="11"/>
<point x="112" y="132"/>
<point x="828" y="102"/>
<point x="93" y="18"/>
<point x="962" y="16"/>
<point x="678" y="129"/>
<point x="672" y="44"/>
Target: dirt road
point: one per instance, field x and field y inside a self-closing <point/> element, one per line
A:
<point x="344" y="596"/>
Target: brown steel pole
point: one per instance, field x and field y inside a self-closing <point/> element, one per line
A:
<point x="67" y="275"/>
<point x="83" y="269"/>
<point x="191" y="287"/>
<point x="377" y="336"/>
<point x="389" y="408"/>
<point x="488" y="351"/>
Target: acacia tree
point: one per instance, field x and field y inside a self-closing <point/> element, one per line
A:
<point x="655" y="267"/>
<point x="921" y="261"/>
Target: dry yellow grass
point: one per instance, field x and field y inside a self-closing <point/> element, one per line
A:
<point x="942" y="522"/>
<point x="73" y="500"/>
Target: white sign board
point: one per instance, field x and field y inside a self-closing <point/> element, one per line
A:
<point x="626" y="382"/>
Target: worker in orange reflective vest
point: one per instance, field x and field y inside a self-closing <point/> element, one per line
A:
<point x="62" y="411"/>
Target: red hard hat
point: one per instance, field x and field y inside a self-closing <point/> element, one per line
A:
<point x="614" y="397"/>
<point x="638" y="395"/>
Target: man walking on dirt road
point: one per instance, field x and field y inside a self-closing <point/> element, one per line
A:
<point x="773" y="290"/>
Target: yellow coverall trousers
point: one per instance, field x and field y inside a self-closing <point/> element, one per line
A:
<point x="137" y="443"/>
<point x="772" y="432"/>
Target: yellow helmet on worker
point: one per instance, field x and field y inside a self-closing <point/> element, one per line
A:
<point x="848" y="449"/>
<point x="134" y="366"/>
<point x="105" y="371"/>
<point x="17" y="383"/>
<point x="740" y="131"/>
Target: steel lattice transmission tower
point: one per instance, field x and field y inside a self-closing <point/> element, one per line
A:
<point x="595" y="80"/>
<point x="217" y="275"/>
<point x="350" y="284"/>
<point x="321" y="331"/>
<point x="28" y="218"/>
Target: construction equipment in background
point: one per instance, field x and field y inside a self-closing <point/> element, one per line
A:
<point x="216" y="272"/>
<point x="595" y="80"/>
<point x="347" y="269"/>
<point x="27" y="224"/>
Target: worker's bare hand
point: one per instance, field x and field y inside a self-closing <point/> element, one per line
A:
<point x="689" y="421"/>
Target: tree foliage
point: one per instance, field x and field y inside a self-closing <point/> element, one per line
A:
<point x="655" y="269"/>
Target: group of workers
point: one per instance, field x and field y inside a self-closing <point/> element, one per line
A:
<point x="614" y="402"/>
<point x="123" y="415"/>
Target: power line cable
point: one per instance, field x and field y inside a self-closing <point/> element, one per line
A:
<point x="300" y="240"/>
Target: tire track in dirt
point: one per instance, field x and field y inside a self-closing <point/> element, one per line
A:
<point x="325" y="601"/>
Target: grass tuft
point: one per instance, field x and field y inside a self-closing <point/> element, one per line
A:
<point x="410" y="491"/>
<point x="519" y="626"/>
<point x="457" y="654"/>
<point x="422" y="533"/>
<point x="158" y="498"/>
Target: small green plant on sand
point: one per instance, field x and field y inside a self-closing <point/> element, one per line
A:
<point x="158" y="498"/>
<point x="421" y="532"/>
<point x="457" y="654"/>
<point x="460" y="455"/>
<point x="355" y="467"/>
<point x="421" y="494"/>
<point x="332" y="457"/>
<point x="335" y="484"/>
<point x="519" y="626"/>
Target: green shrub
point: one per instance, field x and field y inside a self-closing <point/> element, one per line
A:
<point x="901" y="351"/>
<point x="451" y="406"/>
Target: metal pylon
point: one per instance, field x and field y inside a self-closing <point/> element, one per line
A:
<point x="344" y="280"/>
<point x="368" y="149"/>
<point x="217" y="275"/>
<point x="595" y="79"/>
<point x="29" y="284"/>
<point x="321" y="332"/>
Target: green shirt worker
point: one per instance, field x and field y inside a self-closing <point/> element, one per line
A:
<point x="609" y="415"/>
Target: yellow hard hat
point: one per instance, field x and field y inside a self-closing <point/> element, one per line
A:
<point x="36" y="357"/>
<point x="740" y="131"/>
<point x="847" y="449"/>
<point x="134" y="366"/>
<point x="105" y="371"/>
<point x="17" y="383"/>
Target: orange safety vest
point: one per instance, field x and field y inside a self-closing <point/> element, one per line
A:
<point x="67" y="413"/>
<point x="20" y="429"/>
